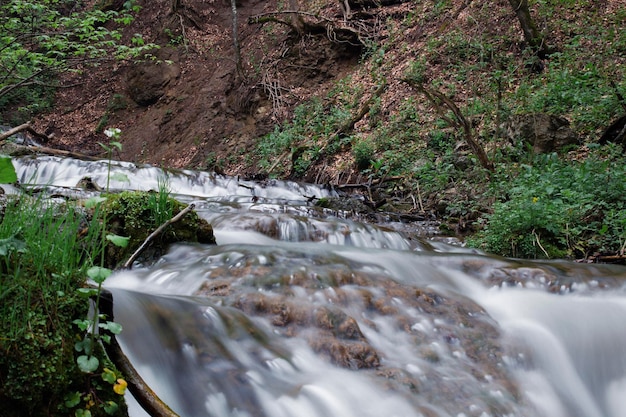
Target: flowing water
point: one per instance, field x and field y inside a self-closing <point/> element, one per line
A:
<point x="300" y="311"/>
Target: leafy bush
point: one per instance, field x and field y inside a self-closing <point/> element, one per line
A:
<point x="557" y="208"/>
<point x="313" y="124"/>
<point x="363" y="151"/>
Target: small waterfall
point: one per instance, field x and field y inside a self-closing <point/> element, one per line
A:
<point x="300" y="311"/>
<point x="67" y="172"/>
<point x="443" y="342"/>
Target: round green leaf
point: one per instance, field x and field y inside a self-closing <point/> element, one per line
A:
<point x="72" y="400"/>
<point x="110" y="408"/>
<point x="111" y="326"/>
<point x="109" y="376"/>
<point x="87" y="364"/>
<point x="98" y="273"/>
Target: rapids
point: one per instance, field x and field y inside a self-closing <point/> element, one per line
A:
<point x="301" y="311"/>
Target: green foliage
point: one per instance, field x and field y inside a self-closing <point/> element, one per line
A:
<point x="313" y="124"/>
<point x="582" y="93"/>
<point x="556" y="208"/>
<point x="44" y="251"/>
<point x="363" y="151"/>
<point x="416" y="73"/>
<point x="40" y="39"/>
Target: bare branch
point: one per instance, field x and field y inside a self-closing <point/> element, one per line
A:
<point x="27" y="127"/>
<point x="154" y="234"/>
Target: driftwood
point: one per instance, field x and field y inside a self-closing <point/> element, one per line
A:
<point x="144" y="395"/>
<point x="24" y="127"/>
<point x="128" y="264"/>
<point x="59" y="152"/>
<point x="368" y="184"/>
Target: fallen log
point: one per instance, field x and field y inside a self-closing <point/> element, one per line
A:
<point x="20" y="150"/>
<point x="24" y="127"/>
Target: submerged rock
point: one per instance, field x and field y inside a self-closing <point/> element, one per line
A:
<point x="350" y="317"/>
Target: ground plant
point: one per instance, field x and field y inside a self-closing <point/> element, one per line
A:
<point x="558" y="208"/>
<point x="48" y="250"/>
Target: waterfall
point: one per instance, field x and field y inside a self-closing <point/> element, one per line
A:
<point x="299" y="311"/>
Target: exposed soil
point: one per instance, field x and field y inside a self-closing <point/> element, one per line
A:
<point x="192" y="108"/>
<point x="197" y="107"/>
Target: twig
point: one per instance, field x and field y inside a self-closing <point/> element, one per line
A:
<point x="368" y="184"/>
<point x="182" y="26"/>
<point x="539" y="243"/>
<point x="419" y="196"/>
<point x="154" y="234"/>
<point x="278" y="161"/>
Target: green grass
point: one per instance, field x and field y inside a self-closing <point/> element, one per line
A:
<point x="45" y="249"/>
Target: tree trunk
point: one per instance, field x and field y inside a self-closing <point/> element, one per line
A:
<point x="532" y="35"/>
<point x="440" y="102"/>
<point x="296" y="19"/>
<point x="233" y="4"/>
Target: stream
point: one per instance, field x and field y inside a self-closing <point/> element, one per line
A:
<point x="300" y="311"/>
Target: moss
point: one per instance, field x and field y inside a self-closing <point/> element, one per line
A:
<point x="136" y="215"/>
<point x="38" y="366"/>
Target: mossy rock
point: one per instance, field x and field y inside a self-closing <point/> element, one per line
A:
<point x="136" y="214"/>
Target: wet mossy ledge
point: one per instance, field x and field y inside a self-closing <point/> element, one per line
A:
<point x="136" y="214"/>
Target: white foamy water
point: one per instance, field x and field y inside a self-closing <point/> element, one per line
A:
<point x="303" y="312"/>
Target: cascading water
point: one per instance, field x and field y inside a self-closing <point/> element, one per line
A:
<point x="299" y="311"/>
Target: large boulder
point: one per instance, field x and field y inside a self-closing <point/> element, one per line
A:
<point x="544" y="132"/>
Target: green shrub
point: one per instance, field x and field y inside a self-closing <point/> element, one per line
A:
<point x="556" y="208"/>
<point x="363" y="152"/>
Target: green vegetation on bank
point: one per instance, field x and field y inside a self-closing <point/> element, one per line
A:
<point x="54" y="255"/>
<point x="558" y="208"/>
<point x="46" y="249"/>
<point x="566" y="202"/>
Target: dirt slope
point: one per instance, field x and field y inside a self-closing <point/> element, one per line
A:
<point x="199" y="111"/>
<point x="196" y="107"/>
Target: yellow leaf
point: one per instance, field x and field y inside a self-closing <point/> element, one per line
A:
<point x="120" y="386"/>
